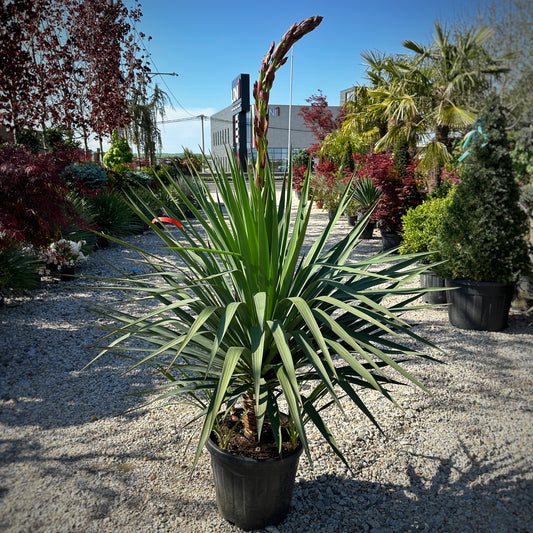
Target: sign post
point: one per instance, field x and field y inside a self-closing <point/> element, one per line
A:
<point x="240" y="105"/>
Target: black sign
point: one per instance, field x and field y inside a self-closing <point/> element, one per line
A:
<point x="240" y="106"/>
<point x="240" y="94"/>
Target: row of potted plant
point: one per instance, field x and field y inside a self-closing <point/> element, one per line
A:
<point x="475" y="233"/>
<point x="375" y="178"/>
<point x="52" y="201"/>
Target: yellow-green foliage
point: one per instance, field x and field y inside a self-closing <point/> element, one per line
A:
<point x="421" y="226"/>
<point x="119" y="152"/>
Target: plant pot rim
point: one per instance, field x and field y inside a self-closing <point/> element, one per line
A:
<point x="215" y="449"/>
<point x="462" y="281"/>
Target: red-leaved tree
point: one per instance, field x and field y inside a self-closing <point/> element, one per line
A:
<point x="67" y="63"/>
<point x="319" y="118"/>
<point x="399" y="190"/>
<point x="16" y="22"/>
<point x="33" y="205"/>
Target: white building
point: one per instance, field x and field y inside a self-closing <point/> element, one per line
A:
<point x="223" y="139"/>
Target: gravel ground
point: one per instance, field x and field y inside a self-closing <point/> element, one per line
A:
<point x="456" y="461"/>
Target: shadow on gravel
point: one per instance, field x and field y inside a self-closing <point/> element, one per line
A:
<point x="467" y="499"/>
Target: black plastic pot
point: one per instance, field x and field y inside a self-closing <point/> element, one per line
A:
<point x="352" y="220"/>
<point x="390" y="240"/>
<point x="368" y="232"/>
<point x="479" y="305"/>
<point x="251" y="493"/>
<point x="431" y="280"/>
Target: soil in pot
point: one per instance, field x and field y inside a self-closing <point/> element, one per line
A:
<point x="241" y="445"/>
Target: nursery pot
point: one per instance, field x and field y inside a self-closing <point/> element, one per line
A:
<point x="252" y="493"/>
<point x="368" y="232"/>
<point x="430" y="279"/>
<point x="352" y="220"/>
<point x="480" y="305"/>
<point x="66" y="274"/>
<point x="390" y="240"/>
<point x="102" y="242"/>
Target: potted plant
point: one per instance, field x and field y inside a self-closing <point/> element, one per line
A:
<point x="398" y="193"/>
<point x="259" y="335"/>
<point x="63" y="256"/>
<point x="318" y="190"/>
<point x="364" y="198"/>
<point x="482" y="239"/>
<point x="18" y="268"/>
<point x="301" y="162"/>
<point x="421" y="227"/>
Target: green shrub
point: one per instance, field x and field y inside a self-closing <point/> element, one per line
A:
<point x="81" y="231"/>
<point x="421" y="227"/>
<point x="109" y="213"/>
<point x="30" y="140"/>
<point x="86" y="176"/>
<point x="119" y="152"/>
<point x="135" y="178"/>
<point x="483" y="231"/>
<point x="18" y="268"/>
<point x="522" y="153"/>
<point x="170" y="197"/>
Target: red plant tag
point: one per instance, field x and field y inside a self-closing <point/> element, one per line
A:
<point x="166" y="219"/>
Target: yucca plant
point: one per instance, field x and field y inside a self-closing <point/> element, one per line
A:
<point x="243" y="317"/>
<point x="18" y="268"/>
<point x="365" y="194"/>
<point x="111" y="214"/>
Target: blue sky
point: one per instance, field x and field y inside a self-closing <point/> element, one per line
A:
<point x="209" y="42"/>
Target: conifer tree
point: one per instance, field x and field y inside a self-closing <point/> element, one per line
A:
<point x="483" y="231"/>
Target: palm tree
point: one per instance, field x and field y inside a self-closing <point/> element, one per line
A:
<point x="427" y="96"/>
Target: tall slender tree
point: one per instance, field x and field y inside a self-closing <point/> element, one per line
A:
<point x="77" y="60"/>
<point x="142" y="130"/>
<point x="511" y="21"/>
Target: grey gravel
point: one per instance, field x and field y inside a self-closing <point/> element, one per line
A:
<point x="72" y="460"/>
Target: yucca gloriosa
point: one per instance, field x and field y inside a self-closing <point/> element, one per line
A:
<point x="249" y="317"/>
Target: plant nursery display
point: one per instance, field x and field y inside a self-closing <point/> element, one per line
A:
<point x="261" y="334"/>
<point x="398" y="193"/>
<point x="482" y="239"/>
<point x="63" y="254"/>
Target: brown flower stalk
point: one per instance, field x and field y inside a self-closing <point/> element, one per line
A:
<point x="273" y="60"/>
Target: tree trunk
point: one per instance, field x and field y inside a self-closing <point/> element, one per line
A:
<point x="442" y="135"/>
<point x="433" y="179"/>
<point x="249" y="419"/>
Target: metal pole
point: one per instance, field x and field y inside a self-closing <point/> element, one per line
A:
<point x="203" y="148"/>
<point x="290" y="114"/>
